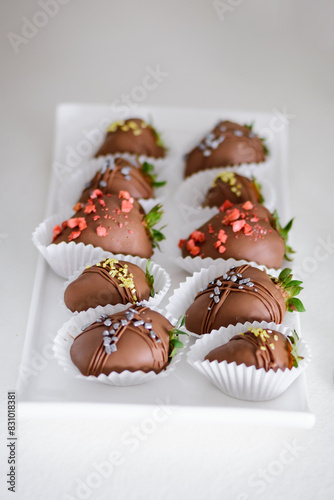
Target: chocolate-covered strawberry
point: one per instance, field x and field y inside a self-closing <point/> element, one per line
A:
<point x="111" y="281"/>
<point x="233" y="187"/>
<point x="135" y="339"/>
<point x="116" y="223"/>
<point x="244" y="293"/>
<point x="227" y="144"/>
<point x="134" y="136"/>
<point x="121" y="175"/>
<point x="246" y="231"/>
<point x="259" y="347"/>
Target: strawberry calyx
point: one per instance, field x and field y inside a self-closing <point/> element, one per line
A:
<point x="148" y="171"/>
<point x="149" y="278"/>
<point x="284" y="232"/>
<point x="295" y="358"/>
<point x="289" y="288"/>
<point x="174" y="342"/>
<point x="151" y="219"/>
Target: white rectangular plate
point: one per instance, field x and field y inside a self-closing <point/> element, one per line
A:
<point x="44" y="389"/>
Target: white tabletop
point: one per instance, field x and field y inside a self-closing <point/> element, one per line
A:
<point x="262" y="56"/>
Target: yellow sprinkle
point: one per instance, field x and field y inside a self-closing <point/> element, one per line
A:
<point x="132" y="125"/>
<point x="125" y="128"/>
<point x="276" y="337"/>
<point x="272" y="346"/>
<point x="263" y="348"/>
<point x="226" y="177"/>
<point x="114" y="126"/>
<point x="144" y="124"/>
<point x="137" y="132"/>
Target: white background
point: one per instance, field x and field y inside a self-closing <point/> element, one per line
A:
<point x="258" y="55"/>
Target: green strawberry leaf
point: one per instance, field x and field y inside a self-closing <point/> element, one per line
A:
<point x="148" y="171"/>
<point x="294" y="304"/>
<point x="151" y="219"/>
<point x="174" y="342"/>
<point x="149" y="278"/>
<point x="284" y="232"/>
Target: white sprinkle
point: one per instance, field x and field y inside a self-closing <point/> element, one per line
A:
<point x="139" y="322"/>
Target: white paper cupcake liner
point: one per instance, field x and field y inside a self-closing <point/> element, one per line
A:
<point x="74" y="327"/>
<point x="161" y="284"/>
<point x="185" y="294"/>
<point x="70" y="192"/>
<point x="193" y="190"/>
<point x="241" y="381"/>
<point x="66" y="258"/>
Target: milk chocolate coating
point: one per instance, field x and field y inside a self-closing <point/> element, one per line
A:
<point x="120" y="176"/>
<point x="261" y="348"/>
<point x="132" y="347"/>
<point x="113" y="223"/>
<point x="110" y="282"/>
<point x="233" y="187"/>
<point x="227" y="144"/>
<point x="241" y="234"/>
<point x="131" y="136"/>
<point x="229" y="300"/>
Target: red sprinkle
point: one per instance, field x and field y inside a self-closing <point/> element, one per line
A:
<point x="126" y="206"/>
<point x="231" y="215"/>
<point x="248" y="205"/>
<point x="197" y="236"/>
<point x="96" y="217"/>
<point x="238" y="225"/>
<point x="248" y="229"/>
<point x="227" y="204"/>
<point x="77" y="222"/>
<point x="211" y="230"/>
<point x="181" y="243"/>
<point x="90" y="208"/>
<point x="222" y="249"/>
<point x="192" y="248"/>
<point x="222" y="236"/>
<point x="56" y="230"/>
<point x="97" y="193"/>
<point x="74" y="235"/>
<point x="125" y="195"/>
<point x="101" y="231"/>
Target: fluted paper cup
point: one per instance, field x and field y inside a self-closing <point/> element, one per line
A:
<point x="75" y="326"/>
<point x="161" y="283"/>
<point x="241" y="381"/>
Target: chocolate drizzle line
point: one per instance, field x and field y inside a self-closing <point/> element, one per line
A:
<point x="226" y="287"/>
